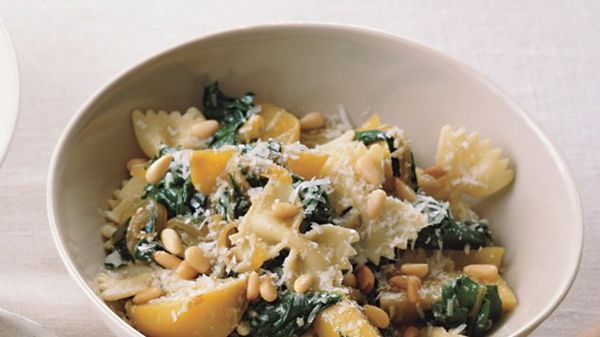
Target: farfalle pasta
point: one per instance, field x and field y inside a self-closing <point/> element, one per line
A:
<point x="245" y="220"/>
<point x="154" y="128"/>
<point x="125" y="200"/>
<point x="466" y="165"/>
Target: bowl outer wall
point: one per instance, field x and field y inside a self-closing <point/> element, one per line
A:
<point x="428" y="76"/>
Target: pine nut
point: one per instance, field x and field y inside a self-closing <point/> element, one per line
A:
<point x="252" y="129"/>
<point x="404" y="191"/>
<point x="158" y="169"/>
<point x="482" y="272"/>
<point x="368" y="169"/>
<point x="312" y="121"/>
<point x="350" y="280"/>
<point x="267" y="289"/>
<point x="303" y="283"/>
<point x="205" y="129"/>
<point x="435" y="171"/>
<point x="376" y="316"/>
<point x="285" y="210"/>
<point x="161" y="215"/>
<point x="411" y="331"/>
<point x="252" y="291"/>
<point x="146" y="295"/>
<point x="365" y="279"/>
<point x="134" y="162"/>
<point x="185" y="271"/>
<point x="197" y="259"/>
<point x="399" y="281"/>
<point x="172" y="241"/>
<point x="108" y="230"/>
<point x="243" y="329"/>
<point x="166" y="260"/>
<point x="412" y="288"/>
<point x="375" y="203"/>
<point x="375" y="151"/>
<point x="419" y="270"/>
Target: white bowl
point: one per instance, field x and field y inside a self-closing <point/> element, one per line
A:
<point x="9" y="90"/>
<point x="306" y="67"/>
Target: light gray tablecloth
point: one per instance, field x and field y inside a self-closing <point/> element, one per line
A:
<point x="545" y="53"/>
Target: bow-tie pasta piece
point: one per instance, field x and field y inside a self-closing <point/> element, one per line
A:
<point x="125" y="200"/>
<point x="398" y="224"/>
<point x="323" y="252"/>
<point x="117" y="285"/>
<point x="348" y="190"/>
<point x="380" y="236"/>
<point x="472" y="165"/>
<point x="155" y="128"/>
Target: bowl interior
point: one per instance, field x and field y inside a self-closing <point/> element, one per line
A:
<point x="315" y="67"/>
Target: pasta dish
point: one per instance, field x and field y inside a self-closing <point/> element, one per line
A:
<point x="243" y="219"/>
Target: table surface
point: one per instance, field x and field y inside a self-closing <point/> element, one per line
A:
<point x="545" y="53"/>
